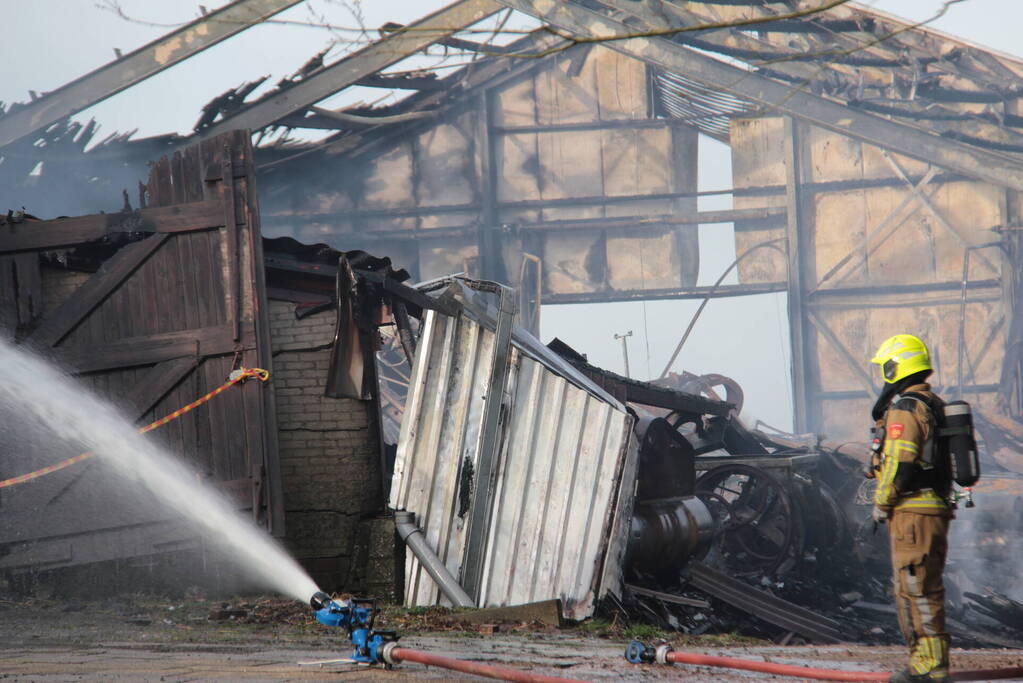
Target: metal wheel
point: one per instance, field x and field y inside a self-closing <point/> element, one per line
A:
<point x="762" y="528"/>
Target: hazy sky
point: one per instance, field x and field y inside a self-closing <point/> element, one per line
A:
<point x="50" y="42"/>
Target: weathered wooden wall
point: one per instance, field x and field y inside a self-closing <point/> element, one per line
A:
<point x="542" y="163"/>
<point x="882" y="247"/>
<point x="161" y="322"/>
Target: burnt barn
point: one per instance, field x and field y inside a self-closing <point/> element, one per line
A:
<point x="391" y="275"/>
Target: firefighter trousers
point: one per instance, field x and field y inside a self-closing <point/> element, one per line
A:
<point x="919" y="548"/>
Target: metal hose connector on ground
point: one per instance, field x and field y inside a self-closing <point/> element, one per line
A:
<point x="405" y="523"/>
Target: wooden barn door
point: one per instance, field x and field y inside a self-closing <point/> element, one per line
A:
<point x="163" y="321"/>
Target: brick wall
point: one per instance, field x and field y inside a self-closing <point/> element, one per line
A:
<point x="328" y="448"/>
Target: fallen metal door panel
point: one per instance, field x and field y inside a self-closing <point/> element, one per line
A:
<point x="561" y="464"/>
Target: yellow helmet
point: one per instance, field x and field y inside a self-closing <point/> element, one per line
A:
<point x="901" y="356"/>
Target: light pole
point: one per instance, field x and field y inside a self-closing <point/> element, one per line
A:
<point x="625" y="350"/>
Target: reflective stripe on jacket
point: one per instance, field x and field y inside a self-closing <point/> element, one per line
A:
<point x="907" y="435"/>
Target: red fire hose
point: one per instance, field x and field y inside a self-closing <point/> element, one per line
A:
<point x="665" y="655"/>
<point x="393" y="655"/>
<point x="778" y="669"/>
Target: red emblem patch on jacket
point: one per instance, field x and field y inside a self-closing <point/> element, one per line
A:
<point x="895" y="430"/>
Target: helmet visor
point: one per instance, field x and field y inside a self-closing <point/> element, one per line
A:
<point x="890" y="369"/>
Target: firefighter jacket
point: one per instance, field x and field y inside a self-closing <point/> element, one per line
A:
<point x="907" y="478"/>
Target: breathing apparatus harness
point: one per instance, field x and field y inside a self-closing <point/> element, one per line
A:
<point x="949" y="453"/>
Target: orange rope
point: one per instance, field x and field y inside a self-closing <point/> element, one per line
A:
<point x="235" y="377"/>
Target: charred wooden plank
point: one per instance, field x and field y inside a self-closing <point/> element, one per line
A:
<point x="645" y="393"/>
<point x="271" y="488"/>
<point x="84" y="301"/>
<point x="232" y="268"/>
<point x="402" y="81"/>
<point x="154" y="348"/>
<point x="30" y="287"/>
<point x="132" y="68"/>
<point x="63" y="232"/>
<point x="158" y="381"/>
<point x="345" y="72"/>
<point x="8" y="298"/>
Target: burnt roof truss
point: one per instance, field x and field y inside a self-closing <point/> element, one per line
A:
<point x="124" y="72"/>
<point x="831" y="69"/>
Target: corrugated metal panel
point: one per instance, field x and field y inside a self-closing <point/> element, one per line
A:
<point x="706" y="109"/>
<point x="563" y="461"/>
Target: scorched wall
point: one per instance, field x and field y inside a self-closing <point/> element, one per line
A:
<point x="328" y="448"/>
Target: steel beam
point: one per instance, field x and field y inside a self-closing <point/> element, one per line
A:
<point x="414" y="210"/>
<point x="488" y="232"/>
<point x="722" y="292"/>
<point x="775" y="96"/>
<point x="795" y="241"/>
<point x="137" y="66"/>
<point x="356" y="66"/>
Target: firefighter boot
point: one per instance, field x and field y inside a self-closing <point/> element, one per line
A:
<point x="928" y="662"/>
<point x="907" y="676"/>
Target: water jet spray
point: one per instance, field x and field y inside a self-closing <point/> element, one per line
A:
<point x="36" y="392"/>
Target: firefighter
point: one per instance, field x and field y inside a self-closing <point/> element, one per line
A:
<point x="912" y="496"/>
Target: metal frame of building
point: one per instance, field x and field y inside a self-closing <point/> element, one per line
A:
<point x="850" y="70"/>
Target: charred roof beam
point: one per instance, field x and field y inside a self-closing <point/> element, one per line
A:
<point x="137" y="66"/>
<point x="826" y="26"/>
<point x="460" y="43"/>
<point x="882" y="45"/>
<point x="402" y="82"/>
<point x="484" y="75"/>
<point x="473" y="46"/>
<point x="298" y="97"/>
<point x="972" y="161"/>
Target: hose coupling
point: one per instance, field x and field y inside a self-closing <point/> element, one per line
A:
<point x="385" y="653"/>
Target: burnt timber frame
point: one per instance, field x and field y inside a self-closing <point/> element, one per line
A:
<point x="488" y="74"/>
<point x="632" y="28"/>
<point x="348" y="71"/>
<point x="785" y="86"/>
<point x="475" y="89"/>
<point x="135" y="67"/>
<point x="771" y="94"/>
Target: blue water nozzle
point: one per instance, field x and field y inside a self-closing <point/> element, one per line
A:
<point x="356" y="616"/>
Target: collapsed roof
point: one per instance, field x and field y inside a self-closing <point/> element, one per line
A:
<point x="848" y="68"/>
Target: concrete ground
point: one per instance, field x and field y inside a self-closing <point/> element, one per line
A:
<point x="143" y="639"/>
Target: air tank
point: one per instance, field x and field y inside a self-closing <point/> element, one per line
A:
<point x="962" y="447"/>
